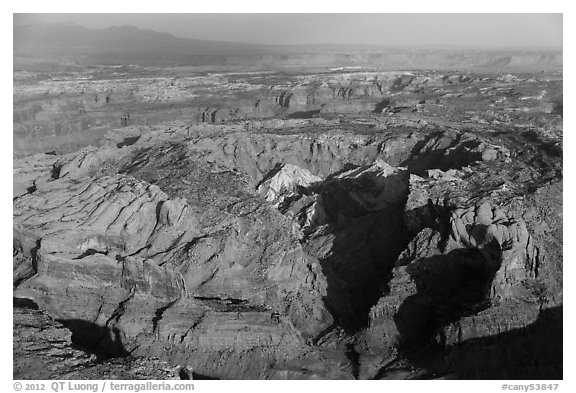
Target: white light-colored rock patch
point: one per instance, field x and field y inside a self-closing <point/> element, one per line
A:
<point x="285" y="182"/>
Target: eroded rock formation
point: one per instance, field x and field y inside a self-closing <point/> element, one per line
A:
<point x="245" y="252"/>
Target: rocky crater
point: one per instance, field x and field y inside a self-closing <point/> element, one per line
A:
<point x="295" y="248"/>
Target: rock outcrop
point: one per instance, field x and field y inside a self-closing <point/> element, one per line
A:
<point x="47" y="349"/>
<point x="484" y="258"/>
<point x="284" y="182"/>
<point x="245" y="252"/>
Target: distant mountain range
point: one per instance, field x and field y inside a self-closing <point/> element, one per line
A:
<point x="72" y="37"/>
<point x="74" y="44"/>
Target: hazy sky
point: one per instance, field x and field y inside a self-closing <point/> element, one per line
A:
<point x="492" y="30"/>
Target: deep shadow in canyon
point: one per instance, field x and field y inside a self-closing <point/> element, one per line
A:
<point x="453" y="286"/>
<point x="449" y="287"/>
<point x="359" y="265"/>
<point x="104" y="342"/>
<point x="531" y="353"/>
